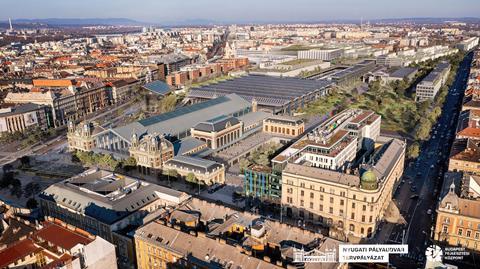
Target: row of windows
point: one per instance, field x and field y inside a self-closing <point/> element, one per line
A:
<point x="469" y="224"/>
<point x="340" y="224"/>
<point x="332" y="200"/>
<point x="322" y="189"/>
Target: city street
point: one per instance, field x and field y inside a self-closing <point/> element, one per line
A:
<point x="418" y="192"/>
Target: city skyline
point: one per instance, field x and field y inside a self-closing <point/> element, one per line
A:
<point x="147" y="11"/>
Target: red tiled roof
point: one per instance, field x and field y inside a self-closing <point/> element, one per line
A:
<point x="17" y="251"/>
<point x="56" y="263"/>
<point x="53" y="82"/>
<point x="62" y="236"/>
<point x="470" y="132"/>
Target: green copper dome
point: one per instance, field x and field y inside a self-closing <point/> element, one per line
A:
<point x="368" y="180"/>
<point x="369" y="176"/>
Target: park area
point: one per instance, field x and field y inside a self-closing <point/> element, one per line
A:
<point x="395" y="102"/>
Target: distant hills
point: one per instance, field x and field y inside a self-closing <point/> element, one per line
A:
<point x="78" y="21"/>
<point x="192" y="22"/>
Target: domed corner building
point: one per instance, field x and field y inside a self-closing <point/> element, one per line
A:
<point x="369" y="181"/>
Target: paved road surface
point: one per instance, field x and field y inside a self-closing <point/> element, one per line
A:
<point x="423" y="178"/>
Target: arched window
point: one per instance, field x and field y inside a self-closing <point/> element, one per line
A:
<point x="352" y="228"/>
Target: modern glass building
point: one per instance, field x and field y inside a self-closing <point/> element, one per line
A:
<point x="261" y="182"/>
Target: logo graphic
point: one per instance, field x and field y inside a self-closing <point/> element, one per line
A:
<point x="315" y="256"/>
<point x="434" y="254"/>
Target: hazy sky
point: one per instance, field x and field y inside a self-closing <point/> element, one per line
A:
<point x="159" y="11"/>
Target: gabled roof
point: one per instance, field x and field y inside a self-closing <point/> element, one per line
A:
<point x="182" y="119"/>
<point x="216" y="124"/>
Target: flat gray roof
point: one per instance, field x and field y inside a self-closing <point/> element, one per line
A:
<point x="194" y="163"/>
<point x="106" y="196"/>
<point x="403" y="72"/>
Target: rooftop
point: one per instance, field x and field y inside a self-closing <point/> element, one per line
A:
<point x="18" y="109"/>
<point x="216" y="124"/>
<point x="403" y="72"/>
<point x="267" y="90"/>
<point x="63" y="237"/>
<point x="158" y="87"/>
<point x="193" y="163"/>
<point x="182" y="119"/>
<point x="205" y="249"/>
<point x="107" y="196"/>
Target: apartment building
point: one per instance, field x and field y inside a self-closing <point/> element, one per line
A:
<point x="54" y="244"/>
<point x="428" y="88"/>
<point x="122" y="90"/>
<point x="108" y="205"/>
<point x="468" y="44"/>
<point x="200" y="234"/>
<point x="66" y="104"/>
<point x="458" y="217"/>
<point x="465" y="156"/>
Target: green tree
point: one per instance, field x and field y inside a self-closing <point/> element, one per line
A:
<point x="167" y="103"/>
<point x="423" y="130"/>
<point x="7" y="168"/>
<point x="436" y="111"/>
<point x="171" y="173"/>
<point x="191" y="178"/>
<point x="243" y="164"/>
<point x="108" y="161"/>
<point x="16" y="188"/>
<point x="31" y="189"/>
<point x="7" y="179"/>
<point x="413" y="151"/>
<point x="263" y="160"/>
<point x="25" y="161"/>
<point x="32" y="203"/>
<point x="129" y="163"/>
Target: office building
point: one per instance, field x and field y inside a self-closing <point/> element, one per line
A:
<point x="320" y="54"/>
<point x="428" y="88"/>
